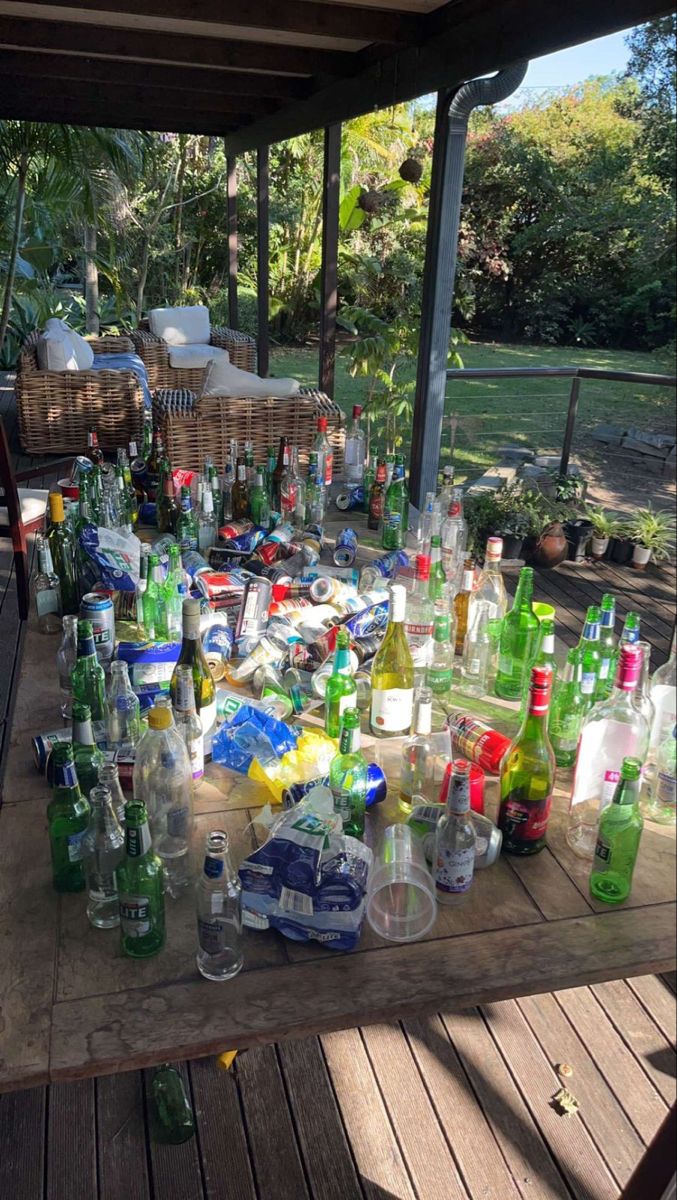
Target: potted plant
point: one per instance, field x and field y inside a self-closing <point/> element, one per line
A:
<point x="620" y="546"/>
<point x="652" y="534"/>
<point x="513" y="529"/>
<point x="546" y="544"/>
<point x="603" y="528"/>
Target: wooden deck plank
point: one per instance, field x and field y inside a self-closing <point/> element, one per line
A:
<point x="429" y="1161"/>
<point x="226" y="1167"/>
<point x="175" y="1170"/>
<point x="549" y="886"/>
<point x="71" y="1141"/>
<point x="587" y="584"/>
<point x="123" y="1166"/>
<point x="576" y="1153"/>
<point x="275" y="1154"/>
<point x="378" y="1156"/>
<point x="658" y="1001"/>
<point x="641" y="1033"/>
<point x="621" y="1071"/>
<point x="22" y="1144"/>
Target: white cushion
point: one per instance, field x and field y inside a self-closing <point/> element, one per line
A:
<point x="84" y="355"/>
<point x="56" y="351"/>
<point x="181" y="326"/>
<point x="33" y="502"/>
<point x="195" y="356"/>
<point x="223" y="379"/>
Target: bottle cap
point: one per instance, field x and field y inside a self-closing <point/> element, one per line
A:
<point x="56" y="510"/>
<point x="629" y="666"/>
<point x="540" y="687"/>
<point x="159" y="718"/>
<point x="494" y="551"/>
<point x="631" y="768"/>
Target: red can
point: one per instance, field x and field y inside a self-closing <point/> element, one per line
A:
<point x="234" y="529"/>
<point x="221" y="588"/>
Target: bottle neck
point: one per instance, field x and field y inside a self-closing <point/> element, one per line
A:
<point x="86" y="647"/>
<point x="137" y="839"/>
<point x="350" y="740"/>
<point x="458" y="799"/>
<point x="627" y="792"/>
<point x="342" y="660"/>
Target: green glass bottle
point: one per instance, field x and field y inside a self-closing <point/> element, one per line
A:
<point x="348" y="776"/>
<point x="167" y="508"/>
<point x="518" y="639"/>
<point x="88" y="758"/>
<point x="439" y="672"/>
<point x="139" y="879"/>
<point x="186" y="523"/>
<point x="437" y="587"/>
<point x="608" y="648"/>
<point x="618" y="838"/>
<point x="62" y="549"/>
<point x="88" y="678"/>
<point x="543" y="657"/>
<point x="259" y="504"/>
<point x="631" y="632"/>
<point x="172" y="1111"/>
<point x="394" y="526"/>
<point x="567" y="712"/>
<point x="341" y="687"/>
<point x="67" y="820"/>
<point x="589" y="654"/>
<point x="527" y="774"/>
<point x="154" y="602"/>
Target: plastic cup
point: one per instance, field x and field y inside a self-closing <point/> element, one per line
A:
<point x="542" y="610"/>
<point x="401" y="904"/>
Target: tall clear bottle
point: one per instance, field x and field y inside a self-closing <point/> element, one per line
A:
<point x="103" y="851"/>
<point x="528" y="774"/>
<point x="206" y="522"/>
<point x="490" y="587"/>
<point x="392" y="675"/>
<point x="419" y="619"/>
<point x="454" y="533"/>
<point x="355" y="448"/>
<point x="455" y="840"/>
<point x="62" y="549"/>
<point x="417" y="763"/>
<point x="109" y="777"/>
<point x="613" y="730"/>
<point x="477" y="649"/>
<point x="139" y="880"/>
<point x="664" y="697"/>
<point x="643" y="698"/>
<point x="220" y="952"/>
<point x="518" y="639"/>
<point x="163" y="781"/>
<point x="47" y="590"/>
<point x="66" y="658"/>
<point x="192" y="655"/>
<point x="187" y="721"/>
<point x="123" y="714"/>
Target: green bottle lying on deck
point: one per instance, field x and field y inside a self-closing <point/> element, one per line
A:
<point x="67" y="821"/>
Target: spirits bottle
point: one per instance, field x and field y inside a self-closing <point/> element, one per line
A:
<point x="490" y="586"/>
<point x="528" y="774"/>
<point x="354" y="454"/>
<point x="590" y="655"/>
<point x="103" y="851"/>
<point x="220" y="952"/>
<point x="206" y="524"/>
<point x="186" y="523"/>
<point x="94" y="452"/>
<point x="607" y="648"/>
<point x="418" y="758"/>
<point x="618" y="838"/>
<point x="438" y="588"/>
<point x="47" y="590"/>
<point x="86" y="755"/>
<point x="314" y="500"/>
<point x="62" y="549"/>
<point x="394" y="528"/>
<point x="631" y="631"/>
<point x="392" y="675"/>
<point x="429" y="526"/>
<point x="454" y="535"/>
<point x="348" y="776"/>
<point x="139" y="880"/>
<point x="154" y="603"/>
<point x="661" y="804"/>
<point x="88" y="679"/>
<point x="167" y="508"/>
<point x="567" y="712"/>
<point x="341" y="687"/>
<point x="642" y="697"/>
<point x="455" y="840"/>
<point x="163" y="781"/>
<point x="217" y="499"/>
<point x="123" y="715"/>
<point x="439" y="673"/>
<point x="325" y="454"/>
<point x="187" y="721"/>
<point x="66" y="658"/>
<point x="477" y="649"/>
<point x="67" y="821"/>
<point x="259" y="504"/>
<point x="419" y="618"/>
<point x="240" y="496"/>
<point x="664" y="697"/>
<point x="462" y="603"/>
<point x="518" y="639"/>
<point x="290" y="489"/>
<point x="377" y="497"/>
<point x="613" y="729"/>
<point x="109" y="777"/>
<point x="192" y="655"/>
<point x="282" y="465"/>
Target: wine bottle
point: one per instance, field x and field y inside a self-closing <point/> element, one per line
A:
<point x="192" y="655"/>
<point x="392" y="676"/>
<point x="528" y="774"/>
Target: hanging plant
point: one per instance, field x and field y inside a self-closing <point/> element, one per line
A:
<point x="411" y="170"/>
<point x="371" y="201"/>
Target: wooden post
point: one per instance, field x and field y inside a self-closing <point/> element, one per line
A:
<point x="570" y="425"/>
<point x="329" y="274"/>
<point x="262" y="254"/>
<point x="231" y="212"/>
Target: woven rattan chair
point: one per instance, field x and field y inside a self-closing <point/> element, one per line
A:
<point x="56" y="409"/>
<point x="195" y="429"/>
<point x="155" y="355"/>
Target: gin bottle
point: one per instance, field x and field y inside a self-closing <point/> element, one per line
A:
<point x="123" y="723"/>
<point x="618" y="838"/>
<point x="103" y="851"/>
<point x="455" y="840"/>
<point x="187" y="721"/>
<point x="219" y="913"/>
<point x="163" y="781"/>
<point x="139" y="881"/>
<point x="67" y="821"/>
<point x="47" y="590"/>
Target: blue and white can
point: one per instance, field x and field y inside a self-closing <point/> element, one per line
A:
<point x="349" y="498"/>
<point x="345" y="548"/>
<point x="218" y="639"/>
<point x="99" y="610"/>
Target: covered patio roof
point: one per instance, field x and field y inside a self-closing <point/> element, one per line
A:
<point x="260" y="71"/>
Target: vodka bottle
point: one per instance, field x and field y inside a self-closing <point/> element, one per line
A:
<point x="613" y="729"/>
<point x="661" y="805"/>
<point x="355" y="449"/>
<point x="392" y="675"/>
<point x="123" y="717"/>
<point x="47" y="590"/>
<point x="528" y="774"/>
<point x="618" y="838"/>
<point x="103" y="851"/>
<point x="455" y="839"/>
<point x="477" y="649"/>
<point x="490" y="587"/>
<point x="139" y="879"/>
<point x="219" y="913"/>
<point x="419" y="618"/>
<point x="416" y="771"/>
<point x="206" y="522"/>
<point x="66" y="657"/>
<point x="163" y="781"/>
<point x="187" y="721"/>
<point x="429" y="524"/>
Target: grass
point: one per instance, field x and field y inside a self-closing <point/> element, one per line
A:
<point x="519" y="412"/>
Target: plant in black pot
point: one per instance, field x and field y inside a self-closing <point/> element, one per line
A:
<point x="620" y="545"/>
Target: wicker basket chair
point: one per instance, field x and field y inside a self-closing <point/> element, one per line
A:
<point x="195" y="429"/>
<point x="56" y="409"/>
<point x="155" y="355"/>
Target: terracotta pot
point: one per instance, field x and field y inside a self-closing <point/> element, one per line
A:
<point x="641" y="557"/>
<point x="551" y="547"/>
<point x="599" y="547"/>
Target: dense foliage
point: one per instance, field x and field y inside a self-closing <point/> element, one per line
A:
<point x="567" y="226"/>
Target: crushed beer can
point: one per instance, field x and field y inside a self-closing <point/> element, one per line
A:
<point x="345" y="548"/>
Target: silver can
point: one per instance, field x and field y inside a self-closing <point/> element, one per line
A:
<point x="99" y="610"/>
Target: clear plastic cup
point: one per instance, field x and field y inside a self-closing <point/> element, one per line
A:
<point x="401" y="904"/>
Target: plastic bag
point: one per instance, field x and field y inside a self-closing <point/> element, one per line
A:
<point x="115" y="554"/>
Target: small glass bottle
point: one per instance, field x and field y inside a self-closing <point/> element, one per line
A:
<point x="88" y="758"/>
<point x="341" y="687"/>
<point x="103" y="851"/>
<point x="123" y="720"/>
<point x="88" y="678"/>
<point x="618" y="838"/>
<point x="455" y="840"/>
<point x="376" y="499"/>
<point x="348" y="776"/>
<point x="642" y="696"/>
<point x="66" y="658"/>
<point x="219" y="913"/>
<point x="355" y="448"/>
<point x="462" y="603"/>
<point x="631" y="631"/>
<point x="187" y="721"/>
<point x="477" y="649"/>
<point x="490" y="585"/>
<point x="173" y="1115"/>
<point x="109" y="777"/>
<point x="519" y="631"/>
<point x="418" y="759"/>
<point x="47" y="590"/>
<point x="259" y="503"/>
<point x="438" y="587"/>
<point x="62" y="549"/>
<point x="528" y="774"/>
<point x="139" y="880"/>
<point x="440" y="671"/>
<point x="206" y="526"/>
<point x="608" y="647"/>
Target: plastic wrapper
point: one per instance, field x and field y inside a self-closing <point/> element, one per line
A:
<point x="115" y="554"/>
<point x="309" y="759"/>
<point x="251" y="734"/>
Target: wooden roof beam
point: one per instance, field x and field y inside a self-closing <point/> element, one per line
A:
<point x="68" y="112"/>
<point x="133" y="104"/>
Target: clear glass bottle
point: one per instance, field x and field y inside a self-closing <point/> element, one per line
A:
<point x="518" y="640"/>
<point x="109" y="777"/>
<point x="348" y="776"/>
<point x="355" y="448"/>
<point x="163" y="781"/>
<point x="418" y="758"/>
<point x="439" y="674"/>
<point x="590" y="654"/>
<point x="438" y="587"/>
<point x="139" y="878"/>
<point x="462" y="603"/>
<point x="543" y="657"/>
<point x="227" y="485"/>
<point x="454" y="533"/>
<point x="419" y="619"/>
<point x="315" y="494"/>
<point x="618" y="838"/>
<point x="631" y="631"/>
<point x="341" y="687"/>
<point x="613" y="730"/>
<point x="528" y="774"/>
<point x="490" y="586"/>
<point x="192" y="655"/>
<point x="123" y="714"/>
<point x="664" y="697"/>
<point x="66" y="658"/>
<point x="187" y="721"/>
<point x="477" y="649"/>
<point x="206" y="524"/>
<point x="47" y="590"/>
<point x="660" y="805"/>
<point x="102" y="851"/>
<point x="392" y="675"/>
<point x="325" y="453"/>
<point x="455" y="840"/>
<point x="642" y="696"/>
<point x="219" y="913"/>
<point x="186" y="523"/>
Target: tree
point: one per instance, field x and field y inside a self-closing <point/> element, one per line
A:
<point x="652" y="61"/>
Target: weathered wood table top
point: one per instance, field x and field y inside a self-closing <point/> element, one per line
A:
<point x="71" y="1005"/>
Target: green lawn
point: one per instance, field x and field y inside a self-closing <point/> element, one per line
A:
<point x="523" y="412"/>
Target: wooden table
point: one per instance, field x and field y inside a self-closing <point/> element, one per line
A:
<point x="71" y="1005"/>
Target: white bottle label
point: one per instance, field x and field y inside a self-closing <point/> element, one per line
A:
<point x="588" y="681"/>
<point x="75" y="848"/>
<point x="207" y="715"/>
<point x="392" y="709"/>
<point x="197" y="757"/>
<point x="47" y="601"/>
<point x="454" y="869"/>
<point x="135" y="915"/>
<point x="666" y="792"/>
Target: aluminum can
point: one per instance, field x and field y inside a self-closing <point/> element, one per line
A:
<point x="194" y="563"/>
<point x="148" y="513"/>
<point x="233" y="529"/>
<point x="99" y="610"/>
<point x="218" y="639"/>
<point x="245" y="542"/>
<point x="223" y="588"/>
<point x="367" y="622"/>
<point x="253" y="615"/>
<point x="345" y="548"/>
<point x="377" y="787"/>
<point x="162" y="543"/>
<point x="43" y="744"/>
<point x="390" y="563"/>
<point x="350" y="498"/>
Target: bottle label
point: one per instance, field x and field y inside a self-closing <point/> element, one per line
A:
<point x="439" y="680"/>
<point x="135" y="915"/>
<point x="177" y="822"/>
<point x="328" y="467"/>
<point x="211" y="935"/>
<point x="588" y="681"/>
<point x="101" y="887"/>
<point x="47" y="601"/>
<point x="196" y="754"/>
<point x="75" y="849"/>
<point x="392" y="518"/>
<point x="207" y="716"/>
<point x="609" y="786"/>
<point x="522" y="822"/>
<point x="65" y="776"/>
<point x="454" y="869"/>
<point x="137" y="840"/>
<point x="666" y="790"/>
<point x="602" y="855"/>
<point x="392" y="709"/>
<point x="296" y="902"/>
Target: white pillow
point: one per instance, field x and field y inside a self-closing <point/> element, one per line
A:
<point x="84" y="355"/>
<point x="180" y="326"/>
<point x="55" y="351"/>
<point x="223" y="379"/>
<point x="195" y="357"/>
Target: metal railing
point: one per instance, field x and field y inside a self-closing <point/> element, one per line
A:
<point x="575" y="374"/>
